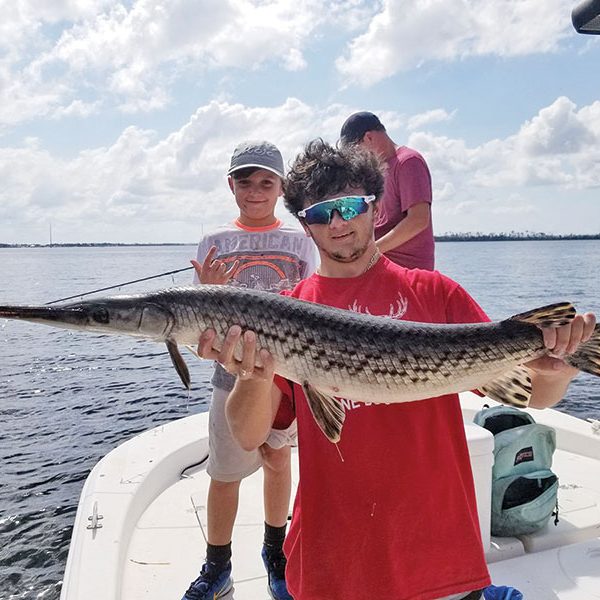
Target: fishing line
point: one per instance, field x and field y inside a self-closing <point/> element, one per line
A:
<point x="118" y="285"/>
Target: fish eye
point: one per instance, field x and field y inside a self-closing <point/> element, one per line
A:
<point x="100" y="315"/>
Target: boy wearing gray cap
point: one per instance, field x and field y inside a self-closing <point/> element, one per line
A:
<point x="257" y="251"/>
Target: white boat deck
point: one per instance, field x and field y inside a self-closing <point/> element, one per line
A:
<point x="151" y="543"/>
<point x="167" y="547"/>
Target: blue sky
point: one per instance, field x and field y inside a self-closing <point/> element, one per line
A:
<point x="117" y="119"/>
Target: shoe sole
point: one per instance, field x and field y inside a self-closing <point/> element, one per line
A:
<point x="226" y="593"/>
<point x="271" y="594"/>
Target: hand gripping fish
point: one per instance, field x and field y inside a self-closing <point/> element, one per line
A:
<point x="334" y="353"/>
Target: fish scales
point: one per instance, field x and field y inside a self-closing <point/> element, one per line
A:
<point x="407" y="352"/>
<point x="334" y="353"/>
<point x="321" y="344"/>
<point x="339" y="352"/>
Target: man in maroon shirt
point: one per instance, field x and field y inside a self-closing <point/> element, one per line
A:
<point x="403" y="227"/>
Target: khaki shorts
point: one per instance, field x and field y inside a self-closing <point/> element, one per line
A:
<point x="227" y="460"/>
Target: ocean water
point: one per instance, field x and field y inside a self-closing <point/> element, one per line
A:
<point x="67" y="398"/>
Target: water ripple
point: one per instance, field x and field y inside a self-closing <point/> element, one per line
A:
<point x="68" y="398"/>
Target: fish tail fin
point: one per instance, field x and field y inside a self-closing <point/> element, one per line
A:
<point x="512" y="388"/>
<point x="587" y="357"/>
<point x="551" y="315"/>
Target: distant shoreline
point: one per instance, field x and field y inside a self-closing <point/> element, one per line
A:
<point x="95" y="245"/>
<point x="447" y="237"/>
<point x="512" y="237"/>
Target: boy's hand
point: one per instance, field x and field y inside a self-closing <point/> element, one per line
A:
<point x="213" y="270"/>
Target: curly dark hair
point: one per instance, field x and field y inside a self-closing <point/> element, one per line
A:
<point x="323" y="170"/>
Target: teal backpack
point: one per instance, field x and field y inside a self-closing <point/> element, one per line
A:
<point x="524" y="487"/>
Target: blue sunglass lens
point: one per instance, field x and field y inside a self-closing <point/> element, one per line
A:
<point x="318" y="215"/>
<point x="348" y="208"/>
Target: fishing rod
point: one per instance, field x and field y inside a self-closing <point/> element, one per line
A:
<point x="118" y="285"/>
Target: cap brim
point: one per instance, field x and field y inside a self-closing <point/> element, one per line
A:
<point x="240" y="167"/>
<point x="345" y="140"/>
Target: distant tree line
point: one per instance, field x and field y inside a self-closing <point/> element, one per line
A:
<point x="89" y="245"/>
<point x="512" y="236"/>
<point x="469" y="236"/>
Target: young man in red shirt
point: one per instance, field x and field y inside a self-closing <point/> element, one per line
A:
<point x="389" y="511"/>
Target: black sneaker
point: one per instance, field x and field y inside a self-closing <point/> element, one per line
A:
<point x="214" y="582"/>
<point x="275" y="564"/>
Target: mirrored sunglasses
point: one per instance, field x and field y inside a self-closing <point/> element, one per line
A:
<point x="347" y="207"/>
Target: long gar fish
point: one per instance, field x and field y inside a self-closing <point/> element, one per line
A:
<point x="334" y="353"/>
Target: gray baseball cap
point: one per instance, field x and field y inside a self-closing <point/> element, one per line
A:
<point x="261" y="154"/>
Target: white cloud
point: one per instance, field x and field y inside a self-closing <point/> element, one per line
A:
<point x="145" y="187"/>
<point x="67" y="56"/>
<point x="405" y="34"/>
<point x="544" y="177"/>
<point x="513" y="208"/>
<point x="559" y="129"/>
<point x="77" y="108"/>
<point x="28" y="30"/>
<point x="294" y="61"/>
<point x="558" y="146"/>
<point x="445" y="193"/>
<point x="436" y="115"/>
<point x="129" y="56"/>
<point x="142" y="187"/>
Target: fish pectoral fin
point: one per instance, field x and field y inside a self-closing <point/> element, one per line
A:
<point x="552" y="315"/>
<point x="512" y="387"/>
<point x="179" y="363"/>
<point x="327" y="411"/>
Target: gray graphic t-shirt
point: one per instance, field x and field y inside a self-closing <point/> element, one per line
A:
<point x="270" y="258"/>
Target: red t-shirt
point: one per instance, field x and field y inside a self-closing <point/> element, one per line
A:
<point x="397" y="517"/>
<point x="407" y="182"/>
